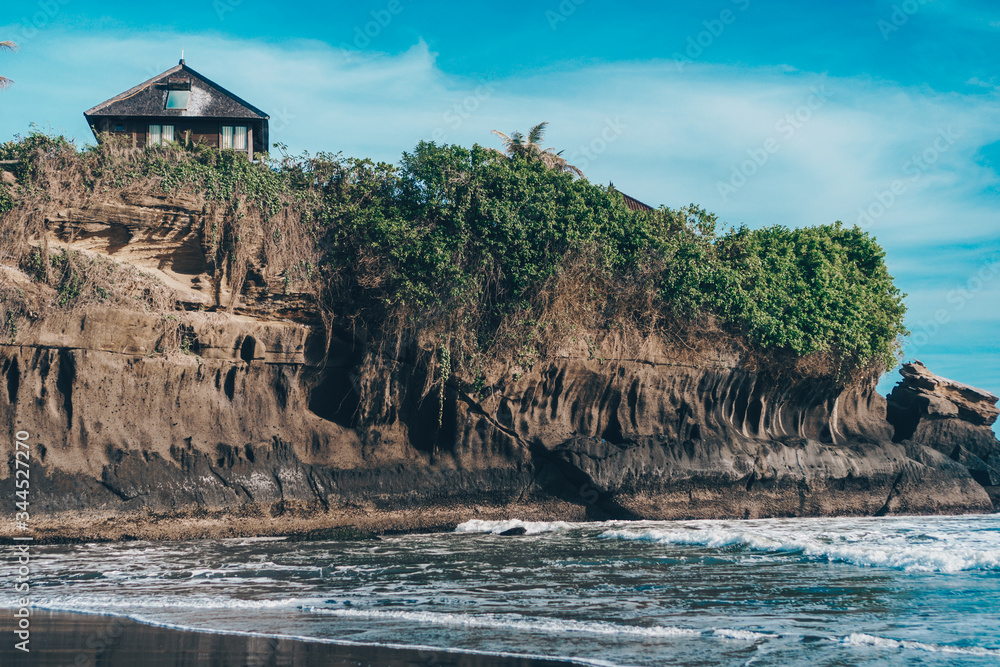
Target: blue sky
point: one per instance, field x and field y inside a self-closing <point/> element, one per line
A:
<point x="766" y="112"/>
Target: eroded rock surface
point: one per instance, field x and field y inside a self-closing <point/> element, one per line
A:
<point x="259" y="427"/>
<point x="950" y="417"/>
<point x="120" y="432"/>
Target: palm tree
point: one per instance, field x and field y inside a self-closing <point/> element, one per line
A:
<point x="529" y="148"/>
<point x="6" y="46"/>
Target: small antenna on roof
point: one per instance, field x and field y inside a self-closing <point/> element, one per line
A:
<point x="182" y="57"/>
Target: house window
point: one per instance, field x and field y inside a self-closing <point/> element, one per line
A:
<point x="119" y="127"/>
<point x="235" y="137"/>
<point x="160" y="135"/>
<point x="178" y="93"/>
<point x="178" y="99"/>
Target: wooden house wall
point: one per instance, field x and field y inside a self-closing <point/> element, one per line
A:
<point x="205" y="131"/>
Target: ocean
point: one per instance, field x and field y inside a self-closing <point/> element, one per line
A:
<point x="823" y="591"/>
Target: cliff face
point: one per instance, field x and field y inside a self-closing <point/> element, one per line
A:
<point x="953" y="418"/>
<point x="255" y="430"/>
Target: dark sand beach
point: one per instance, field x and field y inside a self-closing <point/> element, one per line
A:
<point x="87" y="640"/>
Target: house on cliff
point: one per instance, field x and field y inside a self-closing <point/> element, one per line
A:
<point x="632" y="203"/>
<point x="182" y="105"/>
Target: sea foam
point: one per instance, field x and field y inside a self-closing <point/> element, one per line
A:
<point x="861" y="639"/>
<point x="541" y="625"/>
<point x="497" y="527"/>
<point x="872" y="547"/>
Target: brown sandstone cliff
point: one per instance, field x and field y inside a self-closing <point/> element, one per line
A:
<point x="259" y="427"/>
<point x="953" y="418"/>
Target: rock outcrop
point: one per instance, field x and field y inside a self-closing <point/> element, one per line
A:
<point x="953" y="418"/>
<point x="261" y="425"/>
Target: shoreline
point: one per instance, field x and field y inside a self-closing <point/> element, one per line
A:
<point x="292" y="522"/>
<point x="303" y="524"/>
<point x="61" y="638"/>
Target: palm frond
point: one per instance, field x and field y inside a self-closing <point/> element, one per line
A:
<point x="559" y="163"/>
<point x="536" y="133"/>
<point x="6" y="46"/>
<point x="529" y="148"/>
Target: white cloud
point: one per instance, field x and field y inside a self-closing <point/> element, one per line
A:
<point x="679" y="133"/>
<point x="686" y="131"/>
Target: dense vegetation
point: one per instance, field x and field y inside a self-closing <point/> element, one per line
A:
<point x="489" y="253"/>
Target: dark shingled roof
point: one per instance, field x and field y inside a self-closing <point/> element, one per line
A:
<point x="631" y="202"/>
<point x="634" y="204"/>
<point x="208" y="99"/>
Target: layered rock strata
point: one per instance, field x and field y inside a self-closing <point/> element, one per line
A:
<point x="953" y="418"/>
<point x="261" y="427"/>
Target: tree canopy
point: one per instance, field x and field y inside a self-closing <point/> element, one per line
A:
<point x="454" y="236"/>
<point x="529" y="147"/>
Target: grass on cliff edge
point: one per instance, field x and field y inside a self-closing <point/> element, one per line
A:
<point x="491" y="254"/>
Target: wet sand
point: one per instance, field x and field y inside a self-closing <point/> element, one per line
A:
<point x="84" y="640"/>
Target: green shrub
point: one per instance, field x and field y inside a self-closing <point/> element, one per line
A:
<point x="30" y="150"/>
<point x="812" y="289"/>
<point x="473" y="245"/>
<point x="6" y="200"/>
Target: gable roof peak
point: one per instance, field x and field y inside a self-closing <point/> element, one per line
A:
<point x="131" y="102"/>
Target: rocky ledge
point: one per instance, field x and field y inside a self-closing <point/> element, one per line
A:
<point x="257" y="437"/>
<point x="264" y="425"/>
<point x="953" y="418"/>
